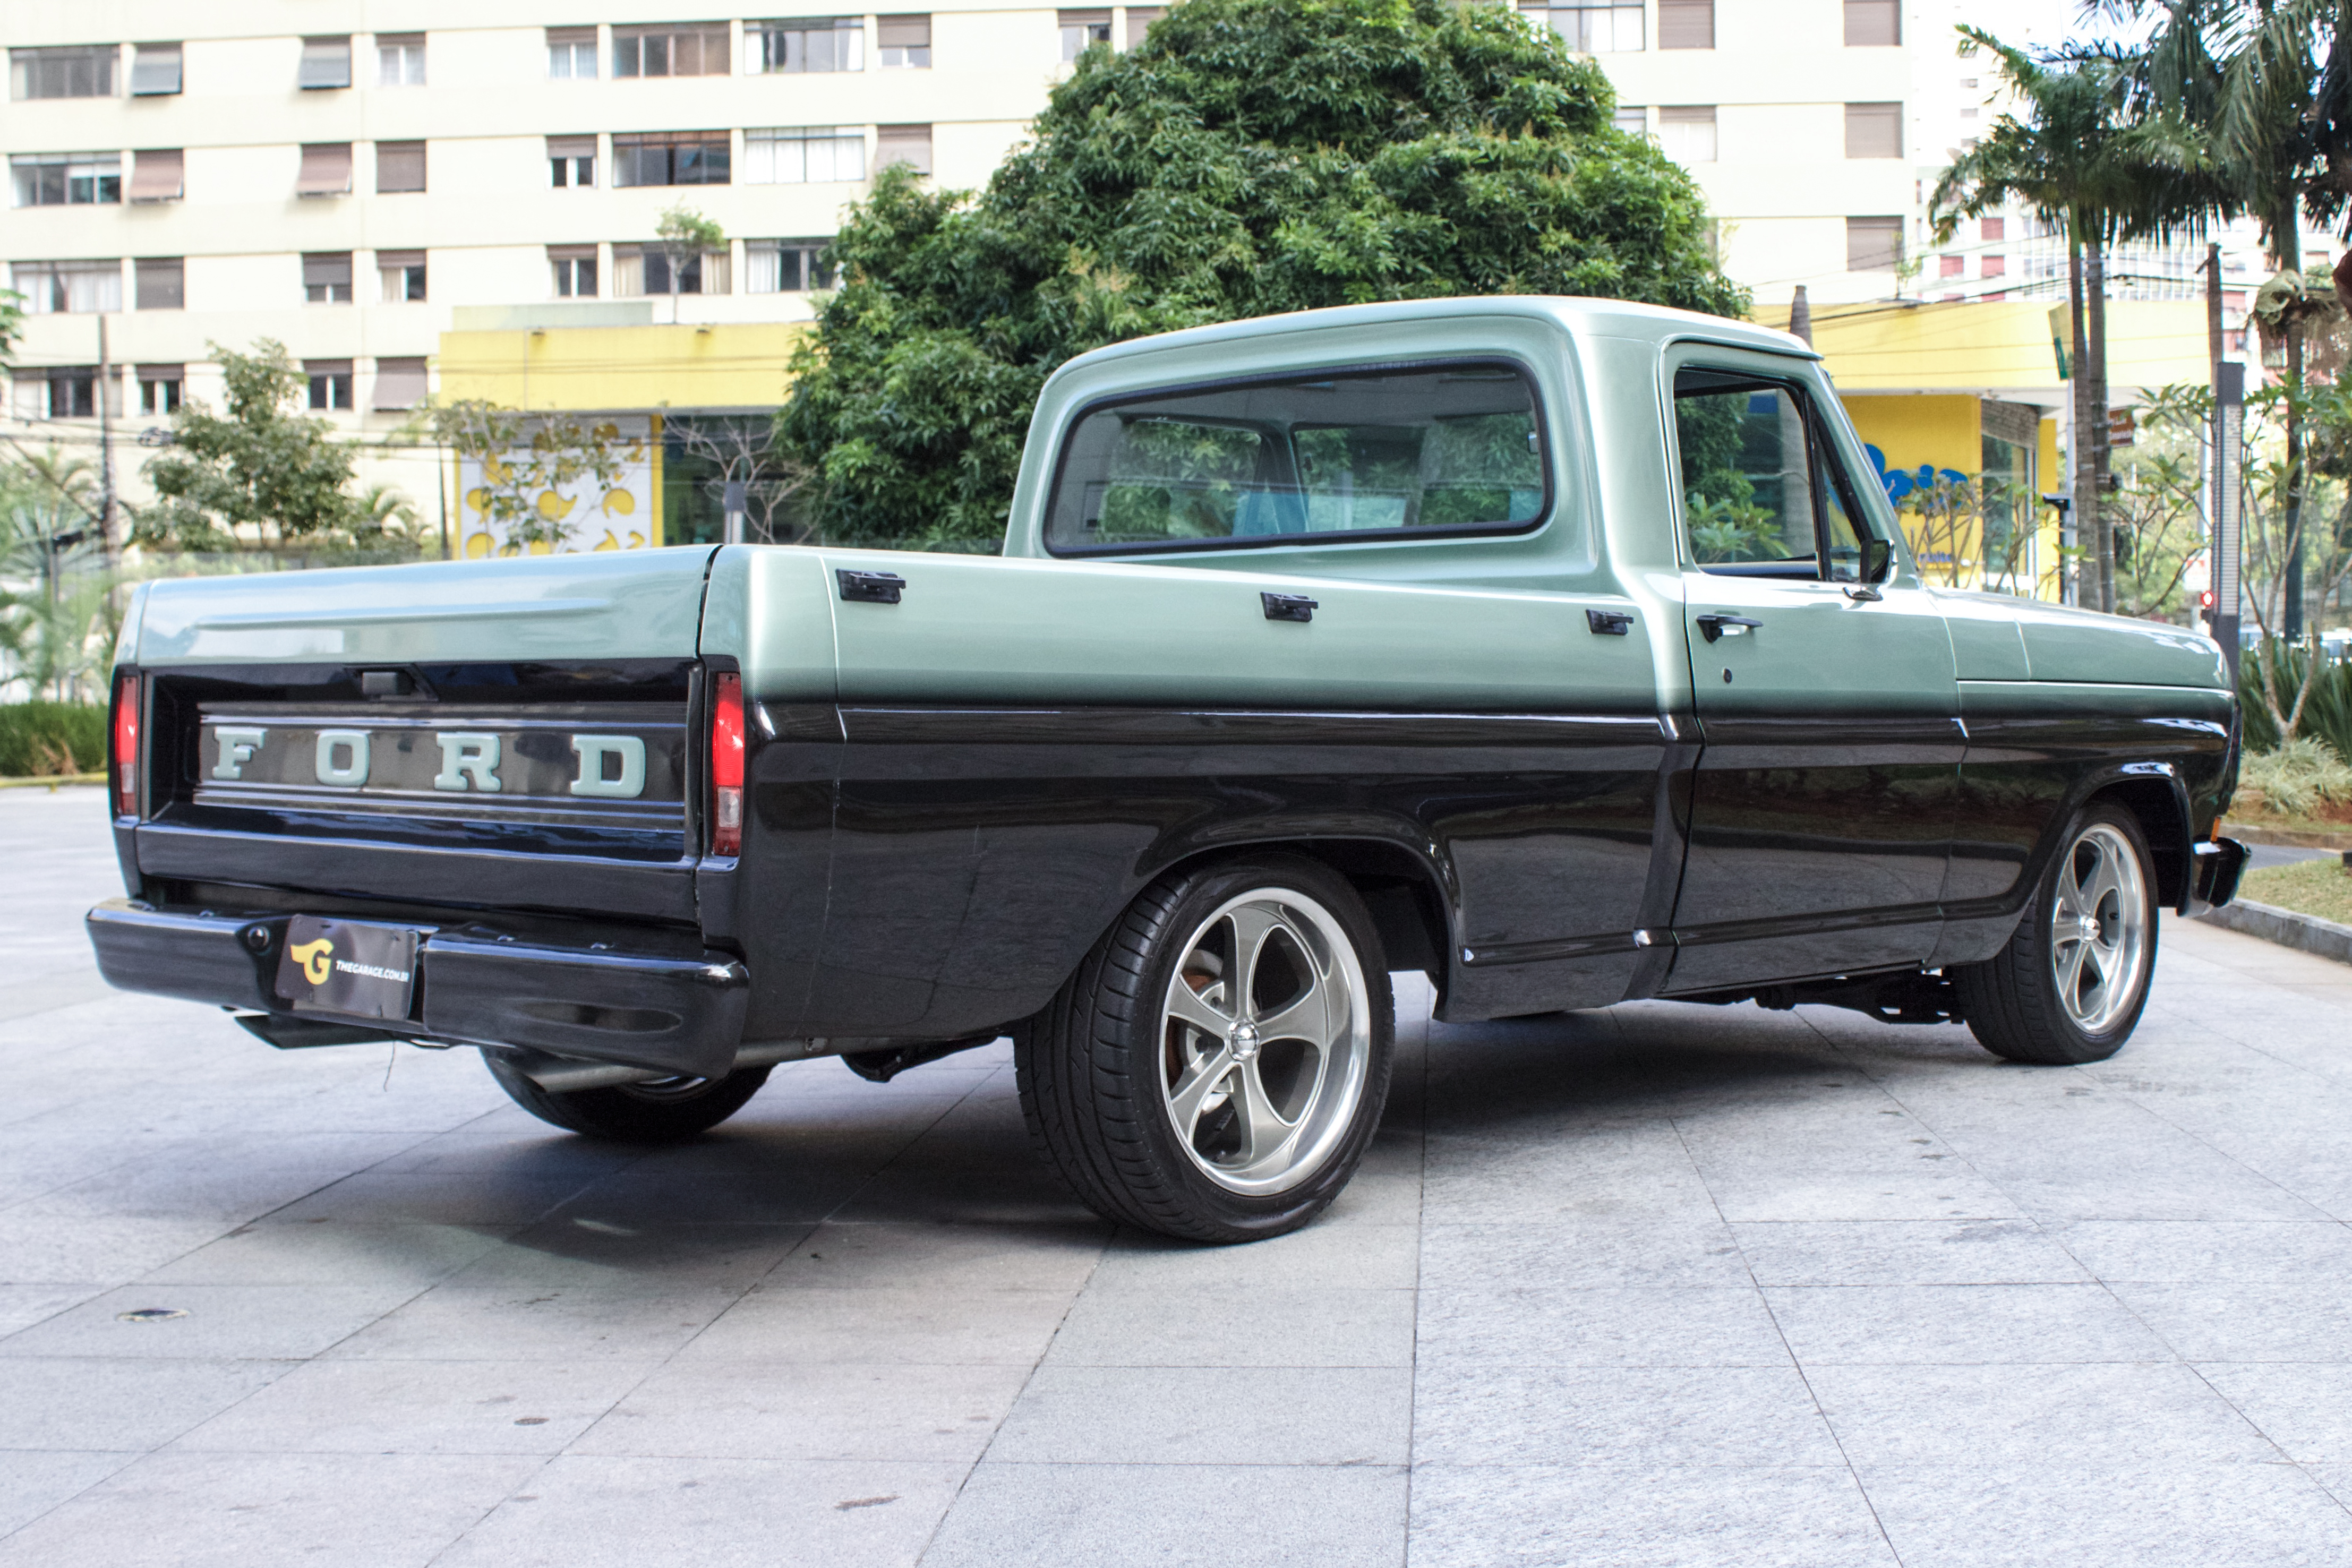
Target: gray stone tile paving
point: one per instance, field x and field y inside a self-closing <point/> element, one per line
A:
<point x="1655" y="1285"/>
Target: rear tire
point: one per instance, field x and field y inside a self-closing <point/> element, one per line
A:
<point x="2070" y="985"/>
<point x="1217" y="1066"/>
<point x="663" y="1111"/>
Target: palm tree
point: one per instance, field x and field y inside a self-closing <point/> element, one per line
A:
<point x="2066" y="164"/>
<point x="2253" y="100"/>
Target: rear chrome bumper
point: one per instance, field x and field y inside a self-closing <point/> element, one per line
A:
<point x="675" y="1014"/>
<point x="2214" y="869"/>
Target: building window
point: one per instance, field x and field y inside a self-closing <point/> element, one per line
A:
<point x="62" y="288"/>
<point x="86" y="71"/>
<point x="331" y="383"/>
<point x="1992" y="265"/>
<point x="812" y="43"/>
<point x="646" y="270"/>
<point x="906" y="42"/>
<point x="572" y="161"/>
<point x="1873" y="245"/>
<point x="154" y="70"/>
<point x="327" y="278"/>
<point x="785" y="266"/>
<point x="66" y="179"/>
<point x="1992" y="231"/>
<point x="681" y="158"/>
<point x="399" y="167"/>
<point x="571" y="54"/>
<point x="811" y="154"/>
<point x="1632" y="119"/>
<point x="1082" y="30"/>
<point x="157" y="173"/>
<point x="326" y="63"/>
<point x="1590" y="26"/>
<point x="326" y="170"/>
<point x="160" y="283"/>
<point x="1871" y="23"/>
<point x="399" y="383"/>
<point x="1951" y="266"/>
<point x="574" y="266"/>
<point x="1874" y="130"/>
<point x="401" y="273"/>
<point x="60" y="391"/>
<point x="159" y="388"/>
<point x="1686" y="133"/>
<point x="672" y="50"/>
<point x="1138" y="22"/>
<point x="400" y="60"/>
<point x="1685" y="24"/>
<point x="903" y="144"/>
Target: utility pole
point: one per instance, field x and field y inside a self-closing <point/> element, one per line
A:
<point x="105" y="447"/>
<point x="2095" y="372"/>
<point x="2227" y="543"/>
<point x="2084" y="513"/>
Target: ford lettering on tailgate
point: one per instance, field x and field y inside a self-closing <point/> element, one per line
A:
<point x="613" y="763"/>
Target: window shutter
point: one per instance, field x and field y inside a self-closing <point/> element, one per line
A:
<point x="572" y="147"/>
<point x="327" y="270"/>
<point x="1874" y="130"/>
<point x="326" y="62"/>
<point x="1138" y="21"/>
<point x="399" y="383"/>
<point x="155" y="70"/>
<point x="1873" y="245"/>
<point x="905" y="32"/>
<point x="1873" y="23"/>
<point x="905" y="144"/>
<point x="1685" y="24"/>
<point x="399" y="166"/>
<point x="156" y="175"/>
<point x="162" y="283"/>
<point x="326" y="170"/>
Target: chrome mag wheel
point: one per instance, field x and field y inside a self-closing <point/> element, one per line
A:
<point x="1265" y="1038"/>
<point x="2099" y="930"/>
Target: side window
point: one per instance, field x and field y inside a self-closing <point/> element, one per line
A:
<point x="1763" y="492"/>
<point x="1456" y="448"/>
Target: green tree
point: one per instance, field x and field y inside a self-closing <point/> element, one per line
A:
<point x="685" y="234"/>
<point x="259" y="466"/>
<point x="50" y="538"/>
<point x="1250" y="157"/>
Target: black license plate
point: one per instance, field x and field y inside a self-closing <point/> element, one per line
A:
<point x="355" y="968"/>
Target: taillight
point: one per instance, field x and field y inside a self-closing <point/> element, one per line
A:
<point x="126" y="746"/>
<point x="726" y="765"/>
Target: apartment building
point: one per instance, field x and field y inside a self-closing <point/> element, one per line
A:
<point x="191" y="175"/>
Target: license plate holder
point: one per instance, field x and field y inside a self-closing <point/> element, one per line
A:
<point x="353" y="969"/>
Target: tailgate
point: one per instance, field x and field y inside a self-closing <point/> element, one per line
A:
<point x="507" y="732"/>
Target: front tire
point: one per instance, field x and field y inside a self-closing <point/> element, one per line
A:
<point x="662" y="1111"/>
<point x="1217" y="1066"/>
<point x="2070" y="985"/>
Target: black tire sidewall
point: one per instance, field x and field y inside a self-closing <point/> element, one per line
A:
<point x="2106" y="1042"/>
<point x="1242" y="1214"/>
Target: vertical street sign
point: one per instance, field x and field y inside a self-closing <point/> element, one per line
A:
<point x="2229" y="446"/>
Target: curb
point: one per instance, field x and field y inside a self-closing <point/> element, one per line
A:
<point x="2288" y="838"/>
<point x="52" y="781"/>
<point x="2306" y="933"/>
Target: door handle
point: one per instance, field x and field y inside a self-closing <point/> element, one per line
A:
<point x="1713" y="626"/>
<point x="1864" y="594"/>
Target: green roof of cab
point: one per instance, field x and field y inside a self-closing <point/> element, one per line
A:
<point x="1595" y="366"/>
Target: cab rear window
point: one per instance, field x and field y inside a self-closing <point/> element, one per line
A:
<point x="1386" y="453"/>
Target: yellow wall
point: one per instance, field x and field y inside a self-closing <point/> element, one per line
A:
<point x="1987" y="347"/>
<point x="1944" y="430"/>
<point x="723" y="365"/>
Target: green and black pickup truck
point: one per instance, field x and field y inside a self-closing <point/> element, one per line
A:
<point x="1567" y="652"/>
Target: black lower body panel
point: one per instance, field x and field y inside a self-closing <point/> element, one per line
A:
<point x="672" y="1013"/>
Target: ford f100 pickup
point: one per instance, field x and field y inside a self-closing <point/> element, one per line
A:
<point x="1567" y="652"/>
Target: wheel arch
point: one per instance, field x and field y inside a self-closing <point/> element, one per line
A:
<point x="2154" y="793"/>
<point x="1408" y="897"/>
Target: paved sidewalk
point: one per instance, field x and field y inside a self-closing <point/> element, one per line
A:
<point x="1658" y="1285"/>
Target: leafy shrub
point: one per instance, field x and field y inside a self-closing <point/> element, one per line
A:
<point x="2303" y="777"/>
<point x="44" y="739"/>
<point x="2326" y="714"/>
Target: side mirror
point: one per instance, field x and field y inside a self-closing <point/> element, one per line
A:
<point x="1877" y="559"/>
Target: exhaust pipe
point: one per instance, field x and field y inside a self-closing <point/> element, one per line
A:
<point x="566" y="1074"/>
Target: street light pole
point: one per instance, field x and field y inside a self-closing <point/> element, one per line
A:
<point x="2229" y="450"/>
